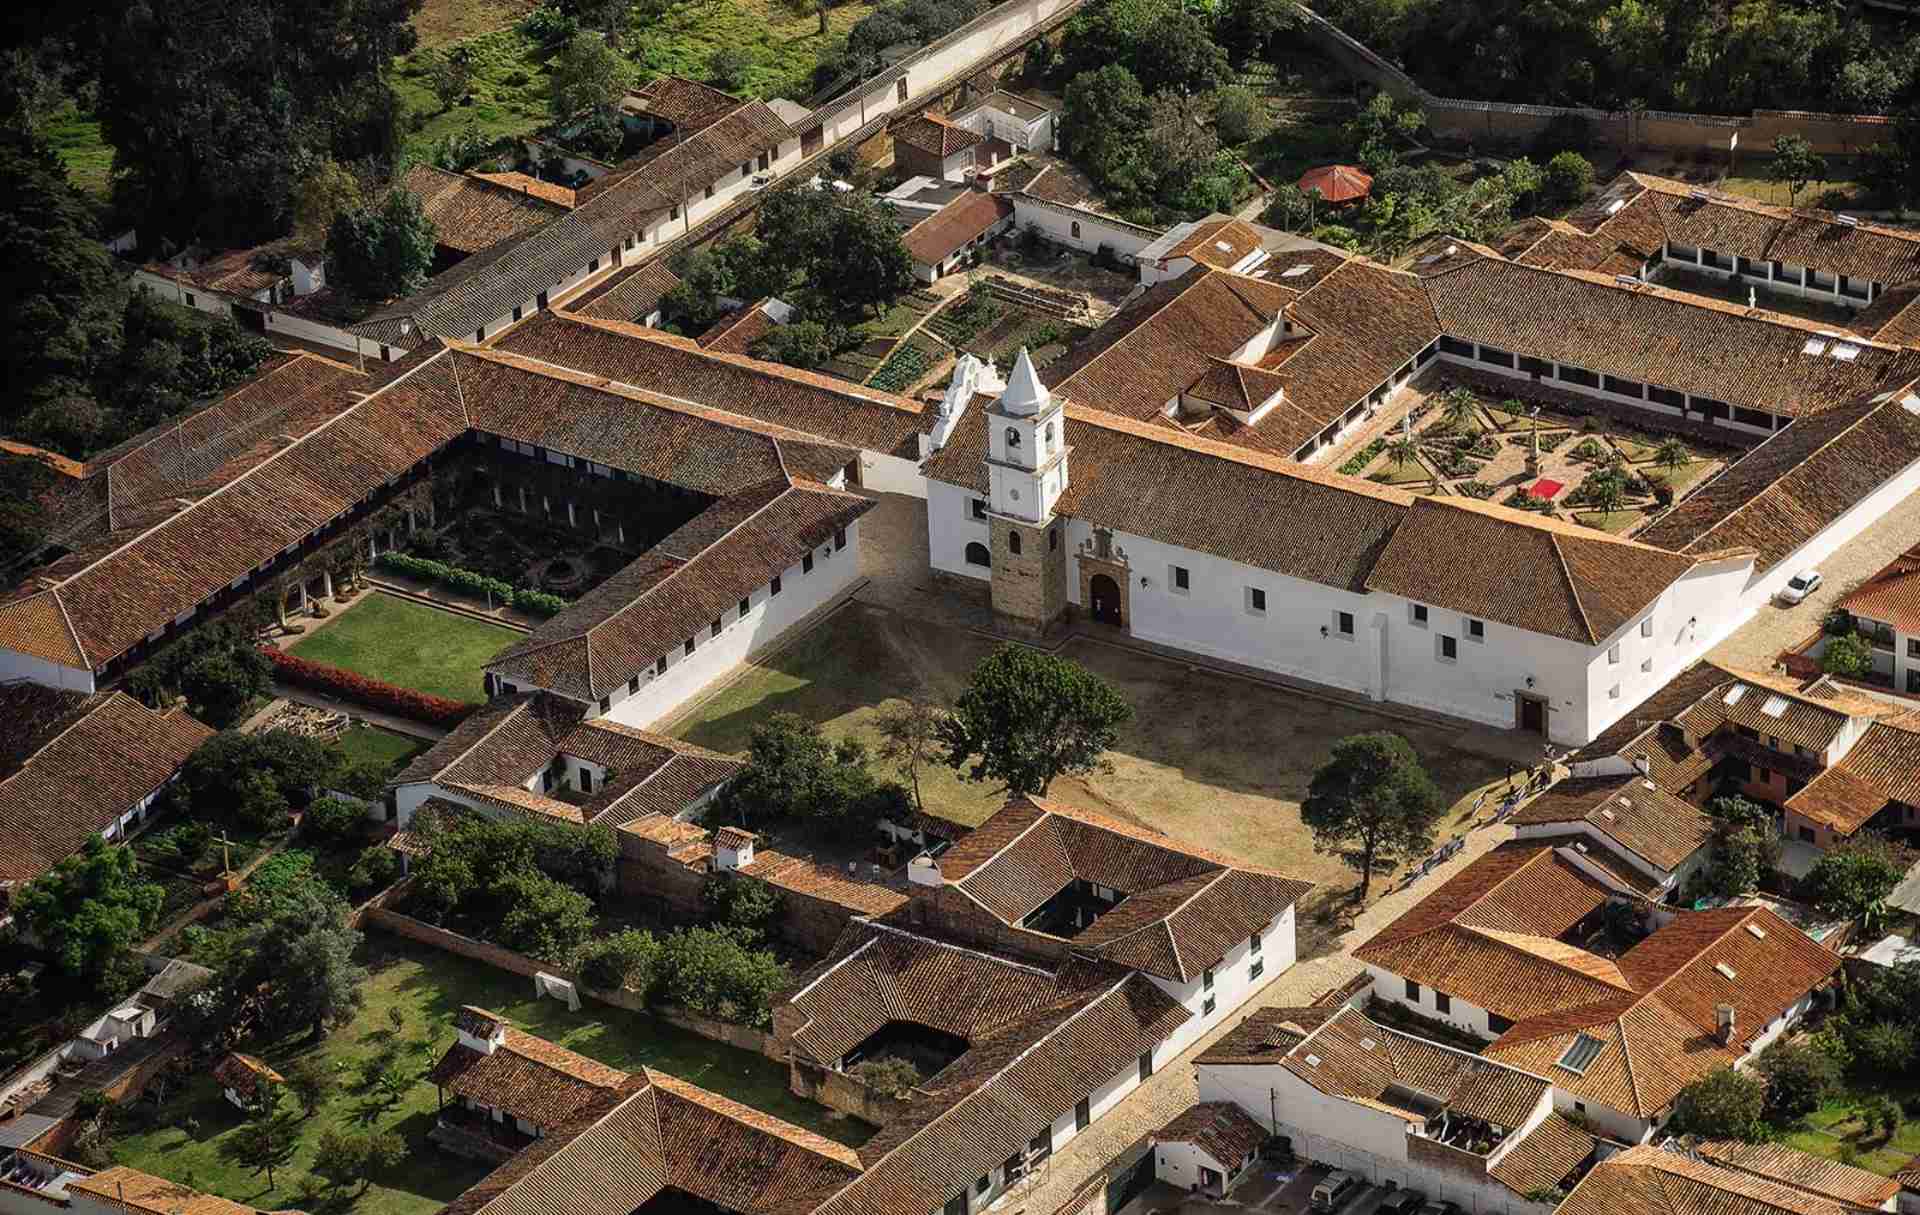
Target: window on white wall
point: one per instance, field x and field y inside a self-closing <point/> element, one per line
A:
<point x="1613" y="654"/>
<point x="977" y="508"/>
<point x="1256" y="602"/>
<point x="1476" y="630"/>
<point x="1179" y="579"/>
<point x="1646" y="627"/>
<point x="1343" y="624"/>
<point x="1447" y="649"/>
<point x="1417" y="613"/>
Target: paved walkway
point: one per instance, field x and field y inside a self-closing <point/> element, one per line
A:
<point x="1774" y="628"/>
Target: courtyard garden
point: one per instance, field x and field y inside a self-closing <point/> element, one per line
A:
<point x="1591" y="468"/>
<point x="1213" y="760"/>
<point x="409" y="644"/>
<point x="407" y="1018"/>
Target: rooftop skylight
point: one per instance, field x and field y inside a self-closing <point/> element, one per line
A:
<point x="1296" y="271"/>
<point x="1734" y="694"/>
<point x="1584" y="1049"/>
<point x="1775" y="706"/>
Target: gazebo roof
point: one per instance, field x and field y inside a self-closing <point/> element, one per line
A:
<point x="1337" y="183"/>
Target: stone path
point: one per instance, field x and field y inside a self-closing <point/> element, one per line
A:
<point x="1774" y="628"/>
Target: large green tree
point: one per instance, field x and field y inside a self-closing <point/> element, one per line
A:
<point x="1372" y="802"/>
<point x="298" y="959"/>
<point x="1794" y="164"/>
<point x="214" y="107"/>
<point x="1104" y="122"/>
<point x="589" y="77"/>
<point x="1853" y="879"/>
<point x="90" y="909"/>
<point x="1029" y="717"/>
<point x="1721" y="1105"/>
<point x="381" y="252"/>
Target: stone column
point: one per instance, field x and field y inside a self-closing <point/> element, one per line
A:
<point x="326" y="584"/>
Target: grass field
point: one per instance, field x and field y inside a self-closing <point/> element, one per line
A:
<point x="368" y="744"/>
<point x="428" y="987"/>
<point x="76" y="140"/>
<point x="1209" y="759"/>
<point x="410" y="645"/>
<point x="1837" y="1123"/>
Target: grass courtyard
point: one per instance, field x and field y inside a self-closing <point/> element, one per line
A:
<point x="364" y="744"/>
<point x="187" y="1139"/>
<point x="409" y="644"/>
<point x="1209" y="759"/>
<point x="1837" y="1132"/>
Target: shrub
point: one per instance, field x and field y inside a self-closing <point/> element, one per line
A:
<point x="887" y="1074"/>
<point x="375" y="693"/>
<point x="1839" y="623"/>
<point x="743" y="905"/>
<point x="1569" y="177"/>
<point x="375" y="869"/>
<point x="1723" y="1105"/>
<point x="1883" y="1051"/>
<point x="1358" y="462"/>
<point x="1799" y="1075"/>
<point x="710" y="971"/>
<point x="627" y="959"/>
<point x="333" y="821"/>
<point x="1850" y="655"/>
<point x="544" y="918"/>
<point x="470" y="582"/>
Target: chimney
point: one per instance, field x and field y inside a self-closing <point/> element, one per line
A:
<point x="1724" y="1016"/>
<point x="1642" y="764"/>
<point x="733" y="848"/>
<point x="923" y="872"/>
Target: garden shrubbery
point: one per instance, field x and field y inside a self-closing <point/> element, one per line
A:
<point x="375" y="693"/>
<point x="538" y="603"/>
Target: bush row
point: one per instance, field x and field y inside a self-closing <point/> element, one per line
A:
<point x="375" y="693"/>
<point x="539" y="603"/>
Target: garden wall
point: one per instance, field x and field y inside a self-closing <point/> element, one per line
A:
<point x="1458" y="120"/>
<point x="844" y="1094"/>
<point x="377" y="913"/>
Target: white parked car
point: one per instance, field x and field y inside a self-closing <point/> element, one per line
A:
<point x="1798" y="587"/>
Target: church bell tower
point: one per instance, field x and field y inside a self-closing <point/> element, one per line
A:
<point x="1027" y="474"/>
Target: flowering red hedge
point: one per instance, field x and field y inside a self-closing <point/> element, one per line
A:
<point x="374" y="693"/>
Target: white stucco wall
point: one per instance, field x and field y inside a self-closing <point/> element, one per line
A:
<point x="1233" y="981"/>
<point x="1057" y="225"/>
<point x="767" y="619"/>
<point x="15" y="665"/>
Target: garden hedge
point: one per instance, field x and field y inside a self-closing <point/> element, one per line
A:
<point x="538" y="603"/>
<point x="374" y="693"/>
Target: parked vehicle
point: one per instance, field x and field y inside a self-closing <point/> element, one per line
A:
<point x="1333" y="1190"/>
<point x="1401" y="1202"/>
<point x="1798" y="587"/>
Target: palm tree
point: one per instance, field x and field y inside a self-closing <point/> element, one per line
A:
<point x="1605" y="491"/>
<point x="1460" y="410"/>
<point x="1672" y="455"/>
<point x="1404" y="450"/>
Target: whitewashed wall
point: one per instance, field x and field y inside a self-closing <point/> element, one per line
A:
<point x="15" y="665"/>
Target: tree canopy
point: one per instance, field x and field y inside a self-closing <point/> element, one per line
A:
<point x="1853" y="879"/>
<point x="1721" y="1105"/>
<point x="1372" y="802"/>
<point x="90" y="909"/>
<point x="1028" y="717"/>
<point x="795" y="774"/>
<point x="382" y="252"/>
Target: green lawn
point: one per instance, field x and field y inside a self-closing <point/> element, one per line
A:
<point x="1402" y="472"/>
<point x="411" y="645"/>
<point x="1216" y="761"/>
<point x="1836" y="1123"/>
<point x="184" y="1140"/>
<point x="1614" y="521"/>
<point x="76" y="140"/>
<point x="370" y="745"/>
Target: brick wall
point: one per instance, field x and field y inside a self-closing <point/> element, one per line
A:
<point x="844" y="1093"/>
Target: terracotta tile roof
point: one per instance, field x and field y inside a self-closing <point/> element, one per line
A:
<point x="987" y="1104"/>
<point x="1182" y="910"/>
<point x="652" y="361"/>
<point x="686" y="444"/>
<point x="545" y="191"/>
<point x="1891" y="595"/>
<point x="634" y="294"/>
<point x="155" y="574"/>
<point x="1785" y="491"/>
<point x="1546" y="1156"/>
<point x="878" y="974"/>
<point x="1882" y="766"/>
<point x="939" y="236"/>
<point x="487" y="286"/>
<point x="733" y="837"/>
<point x="528" y="1077"/>
<point x="933" y="133"/>
<point x="1352" y="1057"/>
<point x="621" y="628"/>
<point x="1552" y="578"/>
<point x="1660" y="1182"/>
<point x="1639" y="730"/>
<point x="1265" y="1034"/>
<point x="1892" y="317"/>
<point x="237" y="272"/>
<point x="244" y="1073"/>
<point x="829" y="883"/>
<point x="1203" y="242"/>
<point x="118" y="1185"/>
<point x="737" y="333"/>
<point x="1138" y="478"/>
<point x="1648" y="822"/>
<point x="1662" y="1035"/>
<point x="470" y="214"/>
<point x="688" y="104"/>
<point x="1800" y="1171"/>
<point x="1650" y="334"/>
<point x="497" y="750"/>
<point x="75" y="765"/>
<point x="1221" y="1129"/>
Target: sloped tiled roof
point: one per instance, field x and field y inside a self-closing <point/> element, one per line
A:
<point x="1265" y="1034"/>
<point x="1649" y="822"/>
<point x="470" y="213"/>
<point x="688" y="104"/>
<point x="526" y="1076"/>
<point x="932" y="133"/>
<point x="1546" y="1156"/>
<point x="634" y="294"/>
<point x="1791" y="487"/>
<point x="1352" y="1057"/>
<point x="939" y="236"/>
<point x="1660" y="1182"/>
<point x="1184" y="908"/>
<point x="1882" y="766"/>
<point x="244" y="1073"/>
<point x="1800" y="1171"/>
<point x="1891" y="595"/>
<point x="84" y="761"/>
<point x="123" y="1188"/>
<point x="1221" y="1129"/>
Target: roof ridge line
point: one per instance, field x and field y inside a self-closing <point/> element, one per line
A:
<point x="491" y="731"/>
<point x="105" y="700"/>
<point x="147" y="531"/>
<point x="822" y="977"/>
<point x="1001" y="850"/>
<point x="1573" y="587"/>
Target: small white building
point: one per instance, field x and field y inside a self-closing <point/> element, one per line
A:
<point x="1208" y="1149"/>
